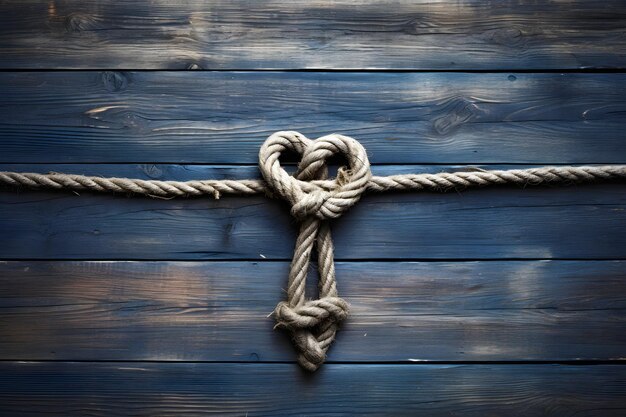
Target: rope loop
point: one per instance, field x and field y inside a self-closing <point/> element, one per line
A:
<point x="314" y="323"/>
<point x="308" y="198"/>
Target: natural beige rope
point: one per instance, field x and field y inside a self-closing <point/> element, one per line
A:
<point x="440" y="182"/>
<point x="313" y="323"/>
<point x="315" y="200"/>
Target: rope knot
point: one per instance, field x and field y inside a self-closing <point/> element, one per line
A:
<point x="314" y="323"/>
<point x="307" y="198"/>
<point x="310" y="204"/>
<point x="305" y="321"/>
<point x="311" y="314"/>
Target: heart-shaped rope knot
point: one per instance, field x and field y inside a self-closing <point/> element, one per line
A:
<point x="306" y="198"/>
<point x="314" y="323"/>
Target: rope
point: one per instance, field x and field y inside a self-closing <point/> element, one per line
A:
<point x="315" y="200"/>
<point x="440" y="182"/>
<point x="313" y="323"/>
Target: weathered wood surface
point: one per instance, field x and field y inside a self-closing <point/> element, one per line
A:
<point x="147" y="389"/>
<point x="401" y="312"/>
<point x="585" y="221"/>
<point x="166" y="335"/>
<point x="202" y="117"/>
<point x="346" y="34"/>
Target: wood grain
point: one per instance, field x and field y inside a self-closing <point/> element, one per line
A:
<point x="585" y="221"/>
<point x="400" y="118"/>
<point x="401" y="312"/>
<point x="345" y="34"/>
<point x="518" y="296"/>
<point x="117" y="389"/>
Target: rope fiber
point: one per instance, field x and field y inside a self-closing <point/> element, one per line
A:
<point x="314" y="201"/>
<point x="440" y="182"/>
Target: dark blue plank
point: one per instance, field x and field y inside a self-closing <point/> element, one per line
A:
<point x="399" y="118"/>
<point x="120" y="389"/>
<point x="585" y="221"/>
<point x="401" y="312"/>
<point x="345" y="34"/>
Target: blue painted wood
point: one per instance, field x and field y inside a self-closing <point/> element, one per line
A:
<point x="166" y="389"/>
<point x="532" y="223"/>
<point x="150" y="313"/>
<point x="401" y="311"/>
<point x="345" y="34"/>
<point x="400" y="118"/>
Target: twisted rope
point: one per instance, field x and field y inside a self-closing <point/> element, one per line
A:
<point x="440" y="182"/>
<point x="313" y="323"/>
<point x="315" y="200"/>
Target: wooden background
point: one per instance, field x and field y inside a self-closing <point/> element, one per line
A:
<point x="481" y="303"/>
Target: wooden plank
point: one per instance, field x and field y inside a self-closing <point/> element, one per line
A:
<point x="401" y="312"/>
<point x="586" y="221"/>
<point x="117" y="389"/>
<point x="345" y="34"/>
<point x="399" y="117"/>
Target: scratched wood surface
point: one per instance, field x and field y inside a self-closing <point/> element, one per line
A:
<point x="585" y="221"/>
<point x="346" y="34"/>
<point x="401" y="312"/>
<point x="505" y="301"/>
<point x="223" y="117"/>
<point x="115" y="389"/>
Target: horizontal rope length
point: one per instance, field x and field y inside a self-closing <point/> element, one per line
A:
<point x="439" y="182"/>
<point x="314" y="200"/>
